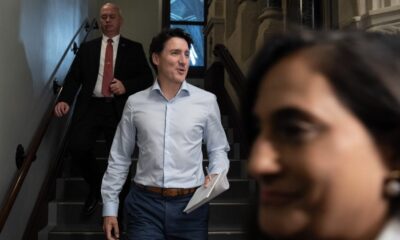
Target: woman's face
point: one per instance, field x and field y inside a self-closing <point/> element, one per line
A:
<point x="320" y="173"/>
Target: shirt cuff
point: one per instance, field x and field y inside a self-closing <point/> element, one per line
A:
<point x="110" y="209"/>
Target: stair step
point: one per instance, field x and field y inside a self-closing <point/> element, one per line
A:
<point x="94" y="232"/>
<point x="222" y="215"/>
<point x="75" y="189"/>
<point x="228" y="212"/>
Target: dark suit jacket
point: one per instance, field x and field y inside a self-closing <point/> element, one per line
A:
<point x="131" y="68"/>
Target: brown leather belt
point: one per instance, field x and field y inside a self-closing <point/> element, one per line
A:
<point x="167" y="192"/>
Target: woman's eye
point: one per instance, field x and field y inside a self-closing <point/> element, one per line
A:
<point x="294" y="132"/>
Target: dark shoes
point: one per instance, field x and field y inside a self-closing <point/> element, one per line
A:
<point x="91" y="203"/>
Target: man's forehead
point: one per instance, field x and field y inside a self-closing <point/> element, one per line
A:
<point x="176" y="43"/>
<point x="108" y="9"/>
<point x="108" y="13"/>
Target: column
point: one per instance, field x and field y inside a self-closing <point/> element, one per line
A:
<point x="271" y="21"/>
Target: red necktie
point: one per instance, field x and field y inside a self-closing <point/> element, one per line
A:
<point x="108" y="69"/>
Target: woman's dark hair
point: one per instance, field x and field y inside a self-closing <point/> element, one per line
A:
<point x="363" y="70"/>
<point x="158" y="42"/>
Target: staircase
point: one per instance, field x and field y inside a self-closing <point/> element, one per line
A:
<point x="228" y="211"/>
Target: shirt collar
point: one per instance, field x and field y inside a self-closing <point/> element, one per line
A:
<point x="115" y="39"/>
<point x="184" y="88"/>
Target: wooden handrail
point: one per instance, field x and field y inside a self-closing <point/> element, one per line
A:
<point x="237" y="80"/>
<point x="20" y="175"/>
<point x="236" y="76"/>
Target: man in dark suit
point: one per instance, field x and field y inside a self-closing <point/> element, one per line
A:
<point x="107" y="70"/>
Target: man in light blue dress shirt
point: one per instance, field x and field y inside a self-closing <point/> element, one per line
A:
<point x="169" y="122"/>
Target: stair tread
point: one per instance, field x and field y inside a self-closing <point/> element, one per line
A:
<point x="228" y="212"/>
<point x="135" y="159"/>
<point x="227" y="202"/>
<point x="230" y="179"/>
<point x="98" y="228"/>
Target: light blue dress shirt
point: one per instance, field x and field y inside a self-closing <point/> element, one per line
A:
<point x="169" y="135"/>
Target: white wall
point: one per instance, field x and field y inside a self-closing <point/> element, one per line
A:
<point x="348" y="9"/>
<point x="35" y="34"/>
<point x="142" y="20"/>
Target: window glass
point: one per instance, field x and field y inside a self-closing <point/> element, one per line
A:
<point x="187" y="10"/>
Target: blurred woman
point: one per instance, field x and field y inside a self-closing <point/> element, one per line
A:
<point x="327" y="151"/>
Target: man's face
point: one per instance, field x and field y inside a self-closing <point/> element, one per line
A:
<point x="173" y="62"/>
<point x="110" y="20"/>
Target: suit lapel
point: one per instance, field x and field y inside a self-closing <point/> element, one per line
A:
<point x="120" y="56"/>
<point x="94" y="57"/>
<point x="96" y="54"/>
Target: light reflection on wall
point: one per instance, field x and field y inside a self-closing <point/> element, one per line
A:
<point x="46" y="28"/>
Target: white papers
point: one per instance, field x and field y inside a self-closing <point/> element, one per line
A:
<point x="216" y="186"/>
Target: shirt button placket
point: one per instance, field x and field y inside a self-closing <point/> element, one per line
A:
<point x="166" y="145"/>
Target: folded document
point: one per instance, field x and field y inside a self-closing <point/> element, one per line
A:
<point x="216" y="186"/>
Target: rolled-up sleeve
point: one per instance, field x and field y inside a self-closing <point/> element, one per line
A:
<point x="119" y="162"/>
<point x="216" y="141"/>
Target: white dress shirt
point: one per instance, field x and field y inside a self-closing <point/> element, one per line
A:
<point x="99" y="82"/>
<point x="169" y="136"/>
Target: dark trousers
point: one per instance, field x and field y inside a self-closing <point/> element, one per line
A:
<point x="150" y="216"/>
<point x="101" y="118"/>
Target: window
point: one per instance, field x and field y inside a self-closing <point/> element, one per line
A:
<point x="190" y="16"/>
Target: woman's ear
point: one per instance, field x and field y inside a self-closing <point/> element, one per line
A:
<point x="390" y="156"/>
<point x="392" y="184"/>
<point x="155" y="59"/>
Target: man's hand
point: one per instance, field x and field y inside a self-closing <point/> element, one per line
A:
<point x="61" y="109"/>
<point x="110" y="227"/>
<point x="117" y="88"/>
<point x="208" y="179"/>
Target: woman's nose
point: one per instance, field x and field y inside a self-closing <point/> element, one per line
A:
<point x="263" y="158"/>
